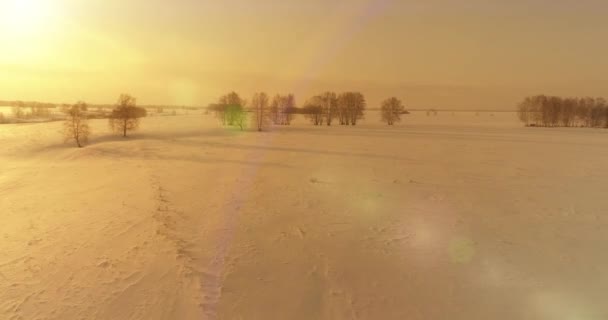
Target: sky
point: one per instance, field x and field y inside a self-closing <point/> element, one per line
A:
<point x="458" y="54"/>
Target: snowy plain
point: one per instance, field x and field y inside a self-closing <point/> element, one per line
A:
<point x="455" y="216"/>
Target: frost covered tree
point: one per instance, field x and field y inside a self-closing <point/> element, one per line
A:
<point x="392" y="108"/>
<point x="125" y="116"/>
<point x="76" y="126"/>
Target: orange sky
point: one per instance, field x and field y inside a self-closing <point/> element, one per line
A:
<point x="432" y="53"/>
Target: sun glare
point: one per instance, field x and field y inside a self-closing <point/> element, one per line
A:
<point x="26" y="17"/>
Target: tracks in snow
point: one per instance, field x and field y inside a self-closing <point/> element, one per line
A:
<point x="174" y="226"/>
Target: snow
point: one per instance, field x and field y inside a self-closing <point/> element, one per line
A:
<point x="458" y="216"/>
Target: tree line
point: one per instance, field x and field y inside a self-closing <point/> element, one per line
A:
<point x="324" y="109"/>
<point x="232" y="110"/>
<point x="552" y="111"/>
<point x="346" y="108"/>
<point x="37" y="110"/>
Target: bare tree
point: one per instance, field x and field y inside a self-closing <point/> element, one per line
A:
<point x="234" y="113"/>
<point x="329" y="102"/>
<point x="282" y="108"/>
<point x="583" y="113"/>
<point x="345" y="106"/>
<point x="229" y="108"/>
<point x="125" y="117"/>
<point x="555" y="108"/>
<point x="259" y="104"/>
<point x="597" y="113"/>
<point x="289" y="108"/>
<point x="342" y="104"/>
<point x="551" y="111"/>
<point x="568" y="112"/>
<point x="240" y="118"/>
<point x="523" y="111"/>
<point x="314" y="110"/>
<point x="39" y="110"/>
<point x="392" y="108"/>
<point x="17" y="109"/>
<point x="535" y="110"/>
<point x="274" y="110"/>
<point x="351" y="107"/>
<point x="234" y="107"/>
<point x="359" y="108"/>
<point x="76" y="126"/>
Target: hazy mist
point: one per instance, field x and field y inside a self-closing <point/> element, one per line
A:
<point x="477" y="54"/>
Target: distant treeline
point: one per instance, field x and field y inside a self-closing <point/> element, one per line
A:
<point x="31" y="110"/>
<point x="551" y="111"/>
<point x="27" y="104"/>
<point x="324" y="109"/>
<point x="50" y="105"/>
<point x="347" y="108"/>
<point x="42" y="111"/>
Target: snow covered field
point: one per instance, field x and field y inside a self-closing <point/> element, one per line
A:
<point x="458" y="216"/>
